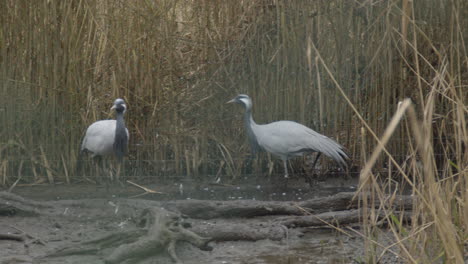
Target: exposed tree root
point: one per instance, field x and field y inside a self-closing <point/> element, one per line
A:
<point x="158" y="230"/>
<point x="164" y="230"/>
<point x="11" y="204"/>
<point x="21" y="237"/>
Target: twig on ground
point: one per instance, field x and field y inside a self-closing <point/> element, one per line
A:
<point x="24" y="234"/>
<point x="147" y="190"/>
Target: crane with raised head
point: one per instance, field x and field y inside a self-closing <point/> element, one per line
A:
<point x="108" y="137"/>
<point x="286" y="139"/>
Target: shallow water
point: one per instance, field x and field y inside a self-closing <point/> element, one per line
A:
<point x="294" y="190"/>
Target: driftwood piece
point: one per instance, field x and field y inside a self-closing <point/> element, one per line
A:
<point x="158" y="230"/>
<point x="11" y="204"/>
<point x="335" y="218"/>
<point x="202" y="209"/>
<point x="228" y="231"/>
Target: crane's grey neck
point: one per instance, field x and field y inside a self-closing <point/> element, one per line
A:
<point x="121" y="137"/>
<point x="248" y="119"/>
<point x="249" y="126"/>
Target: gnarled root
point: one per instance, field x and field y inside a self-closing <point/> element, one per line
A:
<point x="165" y="229"/>
<point x="157" y="230"/>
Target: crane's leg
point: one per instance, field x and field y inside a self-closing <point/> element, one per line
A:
<point x="310" y="179"/>
<point x="107" y="174"/>
<point x="285" y="164"/>
<point x="316" y="158"/>
<point x="117" y="173"/>
<point x="120" y="168"/>
<point x="98" y="164"/>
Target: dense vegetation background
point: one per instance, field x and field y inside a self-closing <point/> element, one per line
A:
<point x="176" y="63"/>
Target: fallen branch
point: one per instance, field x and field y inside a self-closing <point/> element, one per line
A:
<point x="332" y="218"/>
<point x="335" y="218"/>
<point x="228" y="231"/>
<point x="202" y="209"/>
<point x="14" y="237"/>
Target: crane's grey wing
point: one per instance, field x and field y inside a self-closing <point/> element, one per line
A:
<point x="319" y="143"/>
<point x="290" y="138"/>
<point x="99" y="137"/>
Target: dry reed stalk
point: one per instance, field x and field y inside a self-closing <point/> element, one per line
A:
<point x="432" y="190"/>
<point x="366" y="171"/>
<point x="64" y="164"/>
<point x="368" y="183"/>
<point x="50" y="177"/>
<point x="4" y="170"/>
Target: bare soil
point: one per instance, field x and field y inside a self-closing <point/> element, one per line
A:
<point x="74" y="214"/>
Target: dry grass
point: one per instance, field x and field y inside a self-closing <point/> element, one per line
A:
<point x="338" y="66"/>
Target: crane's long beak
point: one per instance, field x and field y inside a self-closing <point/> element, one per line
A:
<point x="113" y="107"/>
<point x="231" y="101"/>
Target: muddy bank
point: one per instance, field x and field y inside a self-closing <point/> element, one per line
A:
<point x="240" y="231"/>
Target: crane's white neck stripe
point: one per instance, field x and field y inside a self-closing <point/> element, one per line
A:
<point x="247" y="102"/>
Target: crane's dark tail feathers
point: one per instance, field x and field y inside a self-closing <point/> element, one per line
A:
<point x="342" y="160"/>
<point x="336" y="152"/>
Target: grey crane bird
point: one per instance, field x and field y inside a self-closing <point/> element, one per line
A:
<point x="287" y="139"/>
<point x="108" y="137"/>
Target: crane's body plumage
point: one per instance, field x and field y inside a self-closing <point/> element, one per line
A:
<point x="108" y="137"/>
<point x="100" y="137"/>
<point x="287" y="139"/>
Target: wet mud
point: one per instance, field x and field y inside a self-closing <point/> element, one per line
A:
<point x="90" y="212"/>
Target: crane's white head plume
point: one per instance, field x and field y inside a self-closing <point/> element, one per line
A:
<point x="244" y="100"/>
